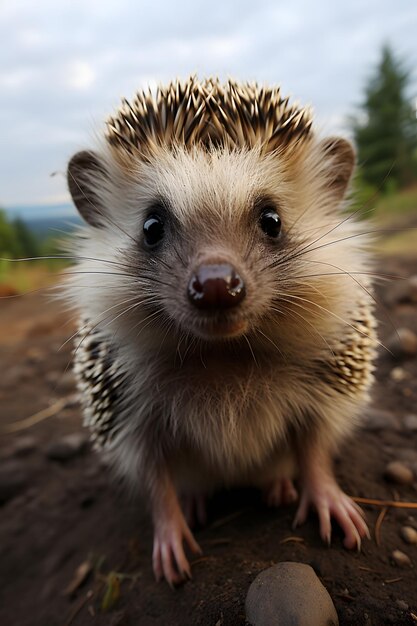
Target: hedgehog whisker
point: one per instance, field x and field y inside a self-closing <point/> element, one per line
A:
<point x="341" y="319"/>
<point x="137" y="277"/>
<point x="169" y="323"/>
<point x="99" y="322"/>
<point x="66" y="257"/>
<point x="251" y="350"/>
<point x="258" y="330"/>
<point x="369" y="293"/>
<point x="361" y="234"/>
<point x="179" y="255"/>
<point x="377" y="301"/>
<point x="150" y="319"/>
<point x="304" y="319"/>
<point x="118" y="304"/>
<point x="352" y="214"/>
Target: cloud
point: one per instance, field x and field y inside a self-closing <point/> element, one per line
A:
<point x="68" y="63"/>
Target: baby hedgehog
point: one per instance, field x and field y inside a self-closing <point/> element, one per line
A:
<point x="226" y="333"/>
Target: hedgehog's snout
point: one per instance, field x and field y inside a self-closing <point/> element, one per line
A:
<point x="216" y="286"/>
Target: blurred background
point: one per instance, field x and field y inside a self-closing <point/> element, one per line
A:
<point x="71" y="550"/>
<point x="65" y="65"/>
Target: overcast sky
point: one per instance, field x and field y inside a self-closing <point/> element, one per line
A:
<point x="65" y="64"/>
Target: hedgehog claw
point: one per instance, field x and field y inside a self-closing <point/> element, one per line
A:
<point x="170" y="534"/>
<point x="330" y="501"/>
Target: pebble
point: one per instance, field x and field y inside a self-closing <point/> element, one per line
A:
<point x="410" y="422"/>
<point x="409" y="534"/>
<point x="398" y="374"/>
<point x="67" y="447"/>
<point x="13" y="479"/>
<point x="379" y="419"/>
<point x="402" y="605"/>
<point x="35" y="356"/>
<point x="24" y="445"/>
<point x="289" y="593"/>
<point x="412" y="286"/>
<point x="400" y="558"/>
<point x="402" y="343"/>
<point x="399" y="473"/>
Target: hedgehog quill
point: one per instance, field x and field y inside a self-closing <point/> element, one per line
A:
<point x="226" y="326"/>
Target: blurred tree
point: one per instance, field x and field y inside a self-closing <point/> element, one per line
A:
<point x="9" y="242"/>
<point x="29" y="244"/>
<point x="386" y="130"/>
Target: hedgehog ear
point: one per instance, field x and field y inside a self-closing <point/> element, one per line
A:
<point x="339" y="159"/>
<point x="86" y="174"/>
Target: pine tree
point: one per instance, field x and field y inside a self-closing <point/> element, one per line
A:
<point x="386" y="131"/>
<point x="27" y="240"/>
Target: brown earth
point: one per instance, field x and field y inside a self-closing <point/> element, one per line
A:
<point x="59" y="514"/>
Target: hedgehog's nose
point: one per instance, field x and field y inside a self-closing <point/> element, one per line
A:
<point x="216" y="286"/>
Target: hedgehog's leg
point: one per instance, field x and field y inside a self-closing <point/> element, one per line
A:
<point x="320" y="490"/>
<point x="280" y="491"/>
<point x="170" y="533"/>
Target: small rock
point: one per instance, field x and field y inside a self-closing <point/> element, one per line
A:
<point x="13" y="479"/>
<point x="34" y="356"/>
<point x="67" y="447"/>
<point x="412" y="285"/>
<point x="399" y="473"/>
<point x="402" y="605"/>
<point x="401" y="558"/>
<point x="402" y="343"/>
<point x="24" y="445"/>
<point x="289" y="593"/>
<point x="398" y="374"/>
<point x="409" y="534"/>
<point x="378" y="419"/>
<point x="410" y="422"/>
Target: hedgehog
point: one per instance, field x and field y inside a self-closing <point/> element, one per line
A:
<point x="226" y="333"/>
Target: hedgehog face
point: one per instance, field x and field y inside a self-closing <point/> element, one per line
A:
<point x="210" y="238"/>
<point x="208" y="221"/>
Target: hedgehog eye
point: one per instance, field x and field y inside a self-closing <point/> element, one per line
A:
<point x="153" y="230"/>
<point x="270" y="222"/>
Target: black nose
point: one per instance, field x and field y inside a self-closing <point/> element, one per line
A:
<point x="216" y="286"/>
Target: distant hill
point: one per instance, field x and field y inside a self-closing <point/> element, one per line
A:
<point x="29" y="212"/>
<point x="52" y="226"/>
<point x="46" y="220"/>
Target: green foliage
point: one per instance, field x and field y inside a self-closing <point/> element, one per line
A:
<point x="10" y="246"/>
<point x="18" y="242"/>
<point x="386" y="130"/>
<point x="29" y="244"/>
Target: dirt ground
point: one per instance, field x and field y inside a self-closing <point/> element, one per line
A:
<point x="60" y="511"/>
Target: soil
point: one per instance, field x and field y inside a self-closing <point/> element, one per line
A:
<point x="60" y="510"/>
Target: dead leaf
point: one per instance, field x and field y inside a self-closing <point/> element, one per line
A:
<point x="80" y="576"/>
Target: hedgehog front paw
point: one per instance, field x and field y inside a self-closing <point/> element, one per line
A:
<point x="168" y="558"/>
<point x="325" y="495"/>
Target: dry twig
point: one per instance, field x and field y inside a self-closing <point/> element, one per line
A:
<point x="50" y="411"/>
<point x="378" y="524"/>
